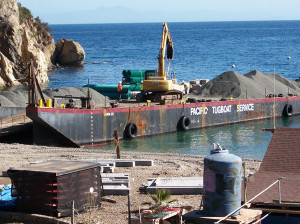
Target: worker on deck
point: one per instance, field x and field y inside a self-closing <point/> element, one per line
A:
<point x="119" y="89"/>
<point x="186" y="87"/>
<point x="70" y="104"/>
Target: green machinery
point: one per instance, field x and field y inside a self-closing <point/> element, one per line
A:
<point x="132" y="81"/>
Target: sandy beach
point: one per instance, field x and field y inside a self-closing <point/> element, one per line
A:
<point x="165" y="165"/>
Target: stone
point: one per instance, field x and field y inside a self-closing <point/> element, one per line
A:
<point x="6" y="72"/>
<point x="68" y="53"/>
<point x="20" y="42"/>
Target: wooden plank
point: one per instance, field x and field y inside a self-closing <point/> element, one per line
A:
<point x="246" y="216"/>
<point x="281" y="211"/>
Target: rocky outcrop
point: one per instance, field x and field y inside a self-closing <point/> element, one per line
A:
<point x="21" y="39"/>
<point x="6" y="72"/>
<point x="68" y="53"/>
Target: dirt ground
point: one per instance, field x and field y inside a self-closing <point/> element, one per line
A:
<point x="165" y="165"/>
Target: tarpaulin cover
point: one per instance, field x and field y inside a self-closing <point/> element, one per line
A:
<point x="6" y="200"/>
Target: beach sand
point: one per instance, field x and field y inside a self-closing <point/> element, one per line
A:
<point x="165" y="165"/>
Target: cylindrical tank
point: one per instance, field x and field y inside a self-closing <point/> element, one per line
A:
<point x="222" y="182"/>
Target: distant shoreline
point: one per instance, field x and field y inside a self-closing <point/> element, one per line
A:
<point x="173" y="22"/>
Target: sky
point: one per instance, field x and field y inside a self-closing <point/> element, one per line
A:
<point x="136" y="11"/>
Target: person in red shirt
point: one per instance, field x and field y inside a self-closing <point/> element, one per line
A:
<point x="119" y="89"/>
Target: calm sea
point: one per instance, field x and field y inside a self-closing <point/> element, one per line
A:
<point x="201" y="50"/>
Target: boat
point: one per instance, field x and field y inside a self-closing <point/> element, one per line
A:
<point x="143" y="117"/>
<point x="92" y="127"/>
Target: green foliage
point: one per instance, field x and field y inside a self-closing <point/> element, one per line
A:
<point x="41" y="25"/>
<point x="161" y="197"/>
<point x="42" y="28"/>
<point x="24" y="13"/>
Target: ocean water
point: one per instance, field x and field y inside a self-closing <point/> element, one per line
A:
<point x="246" y="140"/>
<point x="201" y="50"/>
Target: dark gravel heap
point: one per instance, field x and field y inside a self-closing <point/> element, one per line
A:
<point x="19" y="98"/>
<point x="251" y="85"/>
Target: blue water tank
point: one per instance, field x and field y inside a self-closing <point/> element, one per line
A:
<point x="222" y="182"/>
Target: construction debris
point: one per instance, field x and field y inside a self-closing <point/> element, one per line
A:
<point x="176" y="185"/>
<point x="116" y="184"/>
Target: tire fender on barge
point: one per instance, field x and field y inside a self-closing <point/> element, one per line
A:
<point x="183" y="123"/>
<point x="287" y="110"/>
<point x="130" y="131"/>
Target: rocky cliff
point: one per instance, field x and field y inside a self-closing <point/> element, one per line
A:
<point x="22" y="38"/>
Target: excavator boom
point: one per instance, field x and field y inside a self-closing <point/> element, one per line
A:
<point x="166" y="42"/>
<point x="159" y="88"/>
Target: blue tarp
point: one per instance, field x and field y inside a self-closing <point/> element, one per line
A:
<point x="6" y="200"/>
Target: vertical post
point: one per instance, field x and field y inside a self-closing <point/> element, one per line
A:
<point x="265" y="92"/>
<point x="88" y="106"/>
<point x="116" y="140"/>
<point x="72" y="215"/>
<point x="245" y="183"/>
<point x="140" y="216"/>
<point x="129" y="212"/>
<point x="274" y="101"/>
<point x="279" y="190"/>
<point x="246" y="94"/>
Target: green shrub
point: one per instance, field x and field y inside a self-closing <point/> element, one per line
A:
<point x="42" y="28"/>
<point x="24" y="13"/>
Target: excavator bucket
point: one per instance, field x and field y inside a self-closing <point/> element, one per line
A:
<point x="170" y="51"/>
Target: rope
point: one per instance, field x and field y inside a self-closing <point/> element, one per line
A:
<point x="258" y="221"/>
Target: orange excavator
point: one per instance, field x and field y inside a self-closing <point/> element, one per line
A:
<point x="160" y="88"/>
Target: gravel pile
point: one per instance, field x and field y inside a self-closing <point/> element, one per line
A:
<point x="19" y="98"/>
<point x="254" y="84"/>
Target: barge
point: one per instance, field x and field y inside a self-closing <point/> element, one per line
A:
<point x="91" y="127"/>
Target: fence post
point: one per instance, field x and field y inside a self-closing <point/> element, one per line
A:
<point x="116" y="135"/>
<point x="72" y="215"/>
<point x="129" y="211"/>
<point x="245" y="183"/>
<point x="279" y="190"/>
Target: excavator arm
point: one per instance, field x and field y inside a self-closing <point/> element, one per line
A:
<point x="166" y="43"/>
<point x="160" y="88"/>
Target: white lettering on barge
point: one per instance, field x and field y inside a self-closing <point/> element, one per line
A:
<point x="198" y="110"/>
<point x="245" y="107"/>
<point x="221" y="109"/>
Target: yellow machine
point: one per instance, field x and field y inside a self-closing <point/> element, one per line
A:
<point x="156" y="87"/>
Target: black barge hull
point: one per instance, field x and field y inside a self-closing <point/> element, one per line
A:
<point x="81" y="127"/>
